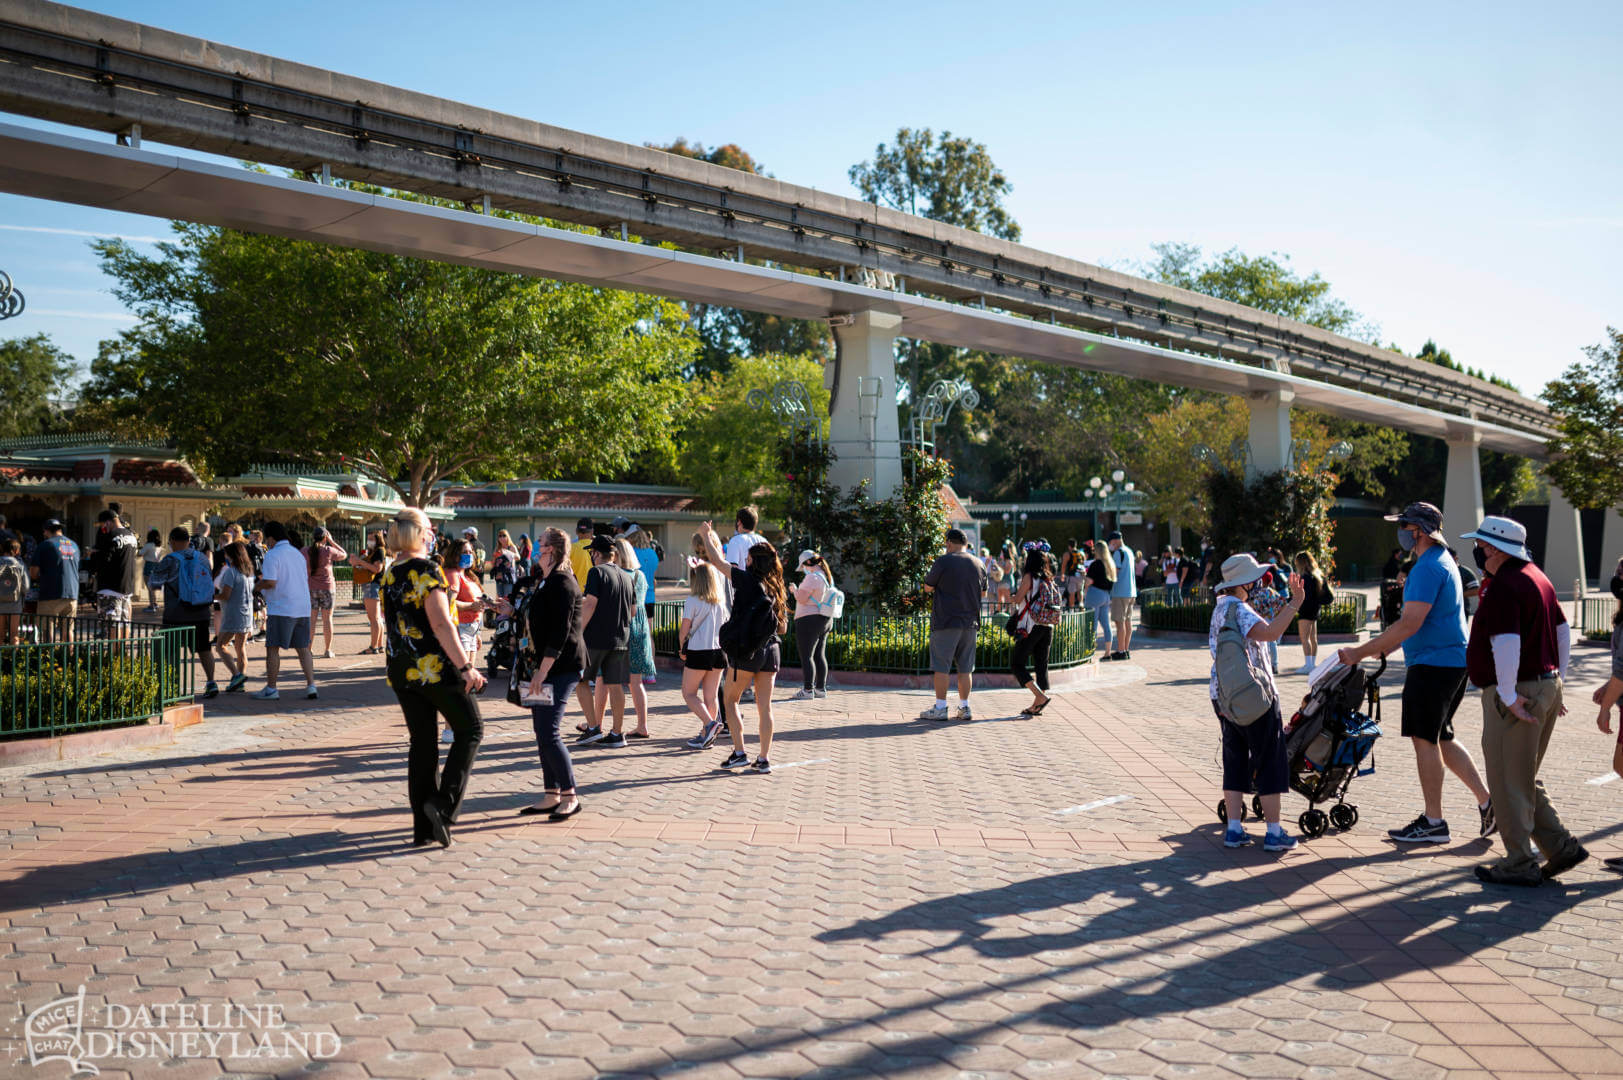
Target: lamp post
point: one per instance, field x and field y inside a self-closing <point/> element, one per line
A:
<point x="1014" y="522"/>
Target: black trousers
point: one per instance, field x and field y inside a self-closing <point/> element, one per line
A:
<point x="811" y="635"/>
<point x="423" y="706"/>
<point x="1032" y="649"/>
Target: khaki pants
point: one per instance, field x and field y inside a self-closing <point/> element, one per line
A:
<point x="1512" y="751"/>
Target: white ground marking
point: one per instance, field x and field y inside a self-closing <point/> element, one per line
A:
<point x="797" y="764"/>
<point x="1094" y="805"/>
<point x="1607" y="779"/>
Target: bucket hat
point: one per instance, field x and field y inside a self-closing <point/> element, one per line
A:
<point x="1503" y="533"/>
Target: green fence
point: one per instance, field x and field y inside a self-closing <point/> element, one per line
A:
<point x="80" y="674"/>
<point x="899" y="644"/>
<point x="1192" y="611"/>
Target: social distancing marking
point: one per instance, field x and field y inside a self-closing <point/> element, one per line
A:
<point x="1607" y="779"/>
<point x="1094" y="805"/>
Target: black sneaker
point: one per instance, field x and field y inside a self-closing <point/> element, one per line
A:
<point x="1421" y="831"/>
<point x="1564" y="860"/>
<point x="735" y="759"/>
<point x="590" y="735"/>
<point x="761" y="765"/>
<point x="1490" y="824"/>
<point x="613" y="740"/>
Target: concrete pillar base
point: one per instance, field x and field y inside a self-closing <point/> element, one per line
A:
<point x="1611" y="549"/>
<point x="1563" y="545"/>
<point x="1462" y="494"/>
<point x="864" y="431"/>
<point x="1270" y="433"/>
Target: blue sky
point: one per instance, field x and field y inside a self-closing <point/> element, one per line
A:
<point x="1452" y="169"/>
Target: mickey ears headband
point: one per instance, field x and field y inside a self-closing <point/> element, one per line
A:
<point x="1036" y="545"/>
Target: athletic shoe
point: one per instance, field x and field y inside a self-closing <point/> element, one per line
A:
<point x="748" y="694"/>
<point x="735" y="759"/>
<point x="1235" y="836"/>
<point x="1490" y="824"/>
<point x="310" y="692"/>
<point x="1421" y="831"/>
<point x="1278" y="841"/>
<point x="447" y="736"/>
<point x="1305" y="669"/>
<point x="590" y="735"/>
<point x="614" y="740"/>
<point x="212" y="690"/>
<point x="266" y="693"/>
<point x="964" y="713"/>
<point x="938" y="711"/>
<point x="1614" y="863"/>
<point x="1565" y="860"/>
<point x="820" y="693"/>
<point x="760" y="765"/>
<point x="1127" y="654"/>
<point x="706" y="738"/>
<point x="236" y="684"/>
<point x="803" y="695"/>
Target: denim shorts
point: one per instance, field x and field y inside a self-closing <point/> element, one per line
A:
<point x="369" y="591"/>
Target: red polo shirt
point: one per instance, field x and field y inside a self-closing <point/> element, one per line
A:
<point x="1517" y="600"/>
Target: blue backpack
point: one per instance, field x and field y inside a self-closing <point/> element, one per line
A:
<point x="195" y="583"/>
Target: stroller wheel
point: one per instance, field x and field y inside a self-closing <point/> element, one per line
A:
<point x="1256" y="807"/>
<point x="1313" y="823"/>
<point x="1343" y="816"/>
<point x="1223" y="811"/>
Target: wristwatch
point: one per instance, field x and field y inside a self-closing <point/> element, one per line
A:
<point x="465" y="668"/>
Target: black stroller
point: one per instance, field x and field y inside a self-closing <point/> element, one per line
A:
<point x="1326" y="744"/>
<point x="509" y="631"/>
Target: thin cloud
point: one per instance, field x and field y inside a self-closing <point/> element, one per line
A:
<point x="64" y="313"/>
<point x="92" y="235"/>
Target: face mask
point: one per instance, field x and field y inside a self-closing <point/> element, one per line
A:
<point x="1406" y="539"/>
<point x="1480" y="556"/>
<point x="465" y="561"/>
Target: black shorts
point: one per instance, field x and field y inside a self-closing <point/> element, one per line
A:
<point x="1431" y="695"/>
<point x="764" y="660"/>
<point x="1254" y="755"/>
<point x="612" y="666"/>
<point x="705" y="660"/>
<point x="198" y="641"/>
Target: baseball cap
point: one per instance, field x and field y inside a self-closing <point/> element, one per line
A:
<point x="1423" y="516"/>
<point x="601" y="543"/>
<point x="621" y="523"/>
<point x="53" y="523"/>
<point x="1116" y="535"/>
<point x="805" y="557"/>
<point x="583" y="524"/>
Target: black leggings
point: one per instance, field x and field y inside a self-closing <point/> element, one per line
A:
<point x="423" y="706"/>
<point x="1033" y="647"/>
<point x="811" y="635"/>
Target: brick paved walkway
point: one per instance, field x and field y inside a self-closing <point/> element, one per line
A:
<point x="1043" y="898"/>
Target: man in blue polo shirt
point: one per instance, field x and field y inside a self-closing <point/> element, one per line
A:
<point x="1432" y="633"/>
<point x="55" y="569"/>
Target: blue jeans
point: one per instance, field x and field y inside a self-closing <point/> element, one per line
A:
<point x="557" y="773"/>
<point x="1098" y="601"/>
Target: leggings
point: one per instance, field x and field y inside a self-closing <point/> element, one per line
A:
<point x="1033" y="647"/>
<point x="557" y="772"/>
<point x="423" y="706"/>
<point x="811" y="634"/>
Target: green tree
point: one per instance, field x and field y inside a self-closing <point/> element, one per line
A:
<point x="731" y="155"/>
<point x="1586" y="456"/>
<point x="34" y="376"/>
<point x="1264" y="282"/>
<point x="951" y="179"/>
<point x="729" y="450"/>
<point x="1430" y="353"/>
<point x="253" y="348"/>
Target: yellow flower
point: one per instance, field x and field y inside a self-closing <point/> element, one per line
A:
<point x="426" y="670"/>
<point x="388" y="576"/>
<point x="422" y="584"/>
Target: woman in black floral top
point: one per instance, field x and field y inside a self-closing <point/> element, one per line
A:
<point x="431" y="676"/>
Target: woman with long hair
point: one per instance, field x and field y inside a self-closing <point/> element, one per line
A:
<point x="322" y="553"/>
<point x="431" y="676"/>
<point x="234" y="589"/>
<point x="1307" y="621"/>
<point x="369" y="567"/>
<point x="152" y="553"/>
<point x="760" y="612"/>
<point x="559" y="655"/>
<point x="642" y="641"/>
<point x="526" y="555"/>
<point x="1100" y="570"/>
<point x="1036" y="603"/>
<point x="812" y="625"/>
<point x="1004" y="564"/>
<point x="503" y="564"/>
<point x="699" y="644"/>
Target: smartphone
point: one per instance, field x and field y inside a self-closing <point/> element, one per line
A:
<point x="544" y="698"/>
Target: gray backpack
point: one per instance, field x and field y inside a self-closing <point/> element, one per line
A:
<point x="1241" y="695"/>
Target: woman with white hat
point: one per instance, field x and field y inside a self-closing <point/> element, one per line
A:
<point x="1252" y="753"/>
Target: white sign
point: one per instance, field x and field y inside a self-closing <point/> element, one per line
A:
<point x="1128" y="517"/>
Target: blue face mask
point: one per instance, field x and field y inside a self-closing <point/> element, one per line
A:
<point x="465" y="560"/>
<point x="1406" y="539"/>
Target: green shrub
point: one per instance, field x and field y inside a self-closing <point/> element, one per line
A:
<point x="71" y="688"/>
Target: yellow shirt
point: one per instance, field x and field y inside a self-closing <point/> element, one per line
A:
<point x="580" y="560"/>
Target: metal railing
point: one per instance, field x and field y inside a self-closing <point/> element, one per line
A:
<point x="1595" y="613"/>
<point x="1191" y="610"/>
<point x="74" y="680"/>
<point x="860" y="641"/>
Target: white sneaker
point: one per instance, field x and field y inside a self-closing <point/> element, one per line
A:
<point x="267" y="693"/>
<point x="803" y="695"/>
<point x="938" y="711"/>
<point x="820" y="693"/>
<point x="964" y="713"/>
<point x="1305" y="669"/>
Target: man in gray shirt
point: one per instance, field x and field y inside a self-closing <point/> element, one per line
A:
<point x="956" y="583"/>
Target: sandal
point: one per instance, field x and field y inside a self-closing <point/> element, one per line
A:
<point x="1037" y="710"/>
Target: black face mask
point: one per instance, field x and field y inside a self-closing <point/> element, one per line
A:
<point x="1480" y="557"/>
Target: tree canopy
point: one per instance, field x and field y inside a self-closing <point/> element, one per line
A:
<point x="1586" y="457"/>
<point x="252" y="348"/>
<point x="951" y="179"/>
<point x="34" y="376"/>
<point x="1264" y="282"/>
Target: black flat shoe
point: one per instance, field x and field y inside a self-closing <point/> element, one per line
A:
<point x="565" y="815"/>
<point x="437" y="824"/>
<point x="539" y="809"/>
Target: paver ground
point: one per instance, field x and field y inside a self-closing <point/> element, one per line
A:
<point x="1035" y="898"/>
